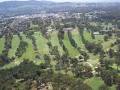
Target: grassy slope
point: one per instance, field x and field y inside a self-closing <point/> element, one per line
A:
<point x="77" y="38"/>
<point x="2" y="41"/>
<point x="30" y="53"/>
<point x="87" y="36"/>
<point x="41" y="43"/>
<point x="43" y="49"/>
<point x="94" y="59"/>
<point x="72" y="51"/>
<point x="15" y="44"/>
<point x="55" y="42"/>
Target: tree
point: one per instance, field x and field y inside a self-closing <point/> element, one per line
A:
<point x="85" y="55"/>
<point x="94" y="47"/>
<point x="107" y="76"/>
<point x="118" y="83"/>
<point x="72" y="41"/>
<point x="65" y="49"/>
<point x="61" y="81"/>
<point x="111" y="53"/>
<point x="117" y="57"/>
<point x="106" y="62"/>
<point x="21" y="49"/>
<point x="49" y="44"/>
<point x="61" y="35"/>
<point x="92" y="35"/>
<point x="106" y="38"/>
<point x="81" y="32"/>
<point x="47" y="59"/>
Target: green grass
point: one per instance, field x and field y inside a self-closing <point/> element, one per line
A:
<point x="77" y="38"/>
<point x="94" y="82"/>
<point x="12" y="64"/>
<point x="107" y="44"/>
<point x="41" y="43"/>
<point x="30" y="53"/>
<point x="44" y="49"/>
<point x="15" y="44"/>
<point x="2" y="41"/>
<point x="72" y="51"/>
<point x="93" y="59"/>
<point x="87" y="36"/>
<point x="55" y="42"/>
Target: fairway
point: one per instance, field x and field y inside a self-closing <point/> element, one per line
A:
<point x="77" y="38"/>
<point x="41" y="43"/>
<point x="59" y="45"/>
<point x="87" y="35"/>
<point x="72" y="51"/>
<point x="15" y="44"/>
<point x="2" y="41"/>
<point x="30" y="53"/>
<point x="55" y="42"/>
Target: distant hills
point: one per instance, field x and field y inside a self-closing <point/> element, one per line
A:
<point x="11" y="8"/>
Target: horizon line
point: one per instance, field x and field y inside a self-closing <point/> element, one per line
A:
<point x="61" y="1"/>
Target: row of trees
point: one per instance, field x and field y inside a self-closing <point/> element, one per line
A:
<point x="72" y="41"/>
<point x="60" y="38"/>
<point x="81" y="32"/>
<point x="94" y="47"/>
<point x="7" y="44"/>
<point x="21" y="49"/>
<point x="29" y="34"/>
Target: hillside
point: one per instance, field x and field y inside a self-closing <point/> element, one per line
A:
<point x="37" y="56"/>
<point x="11" y="8"/>
<point x="59" y="46"/>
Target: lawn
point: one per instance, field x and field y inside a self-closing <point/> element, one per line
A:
<point x="2" y="41"/>
<point x="15" y="44"/>
<point x="72" y="51"/>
